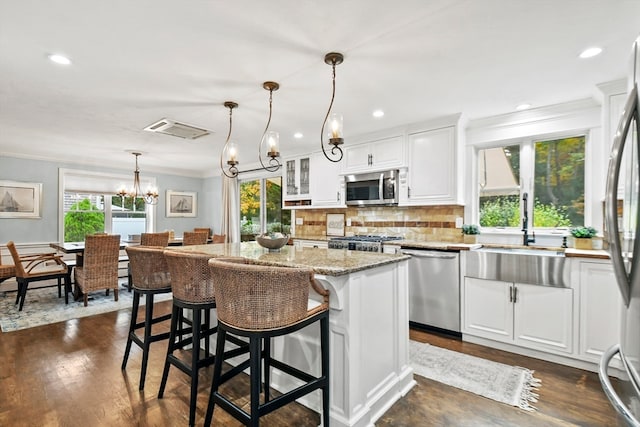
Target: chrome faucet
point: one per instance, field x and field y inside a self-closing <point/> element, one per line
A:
<point x="525" y="220"/>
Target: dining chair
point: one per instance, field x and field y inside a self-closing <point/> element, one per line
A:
<point x="260" y="302"/>
<point x="194" y="238"/>
<point x="219" y="238"/>
<point x="203" y="230"/>
<point x="155" y="239"/>
<point x="99" y="269"/>
<point x="36" y="267"/>
<point x="7" y="271"/>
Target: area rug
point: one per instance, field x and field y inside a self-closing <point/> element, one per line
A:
<point x="43" y="307"/>
<point x="503" y="383"/>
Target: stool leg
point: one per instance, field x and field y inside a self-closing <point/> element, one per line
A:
<point x="148" y="317"/>
<point x="195" y="355"/>
<point x="175" y="314"/>
<point x="324" y="351"/>
<point x="255" y="344"/>
<point x="207" y="321"/>
<point x="132" y="327"/>
<point x="267" y="367"/>
<point x="217" y="373"/>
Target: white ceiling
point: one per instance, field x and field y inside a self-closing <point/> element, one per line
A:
<point x="135" y="62"/>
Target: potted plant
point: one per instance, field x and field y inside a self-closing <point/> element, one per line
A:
<point x="582" y="237"/>
<point x="470" y="232"/>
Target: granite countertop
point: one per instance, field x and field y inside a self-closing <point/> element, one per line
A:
<point x="454" y="246"/>
<point x="330" y="262"/>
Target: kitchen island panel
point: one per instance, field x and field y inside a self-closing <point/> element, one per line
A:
<point x="369" y="328"/>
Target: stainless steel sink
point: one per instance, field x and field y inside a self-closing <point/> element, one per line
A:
<point x="523" y="251"/>
<point x="519" y="265"/>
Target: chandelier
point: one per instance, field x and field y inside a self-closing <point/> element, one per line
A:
<point x="150" y="196"/>
<point x="335" y="120"/>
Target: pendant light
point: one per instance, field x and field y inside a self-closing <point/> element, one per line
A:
<point x="150" y="197"/>
<point x="269" y="137"/>
<point x="230" y="149"/>
<point x="335" y="134"/>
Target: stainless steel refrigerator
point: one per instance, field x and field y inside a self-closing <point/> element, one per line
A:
<point x="624" y="168"/>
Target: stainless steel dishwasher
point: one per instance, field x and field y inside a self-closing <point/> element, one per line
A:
<point x="434" y="289"/>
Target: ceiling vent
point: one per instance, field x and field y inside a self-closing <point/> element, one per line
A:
<point x="173" y="128"/>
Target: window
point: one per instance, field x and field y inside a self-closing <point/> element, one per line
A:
<point x="96" y="213"/>
<point x="90" y="206"/>
<point x="555" y="169"/>
<point x="261" y="208"/>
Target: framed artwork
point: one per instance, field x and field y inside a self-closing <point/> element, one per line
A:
<point x="20" y="199"/>
<point x="182" y="203"/>
<point x="335" y="224"/>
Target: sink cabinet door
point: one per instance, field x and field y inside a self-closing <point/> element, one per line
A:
<point x="487" y="311"/>
<point x="543" y="318"/>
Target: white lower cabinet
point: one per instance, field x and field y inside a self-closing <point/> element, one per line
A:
<point x="600" y="309"/>
<point x="300" y="243"/>
<point x="532" y="316"/>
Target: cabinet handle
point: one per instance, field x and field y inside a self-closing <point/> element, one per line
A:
<point x="408" y="192"/>
<point x="338" y="195"/>
<point x="515" y="294"/>
<point x="510" y="293"/>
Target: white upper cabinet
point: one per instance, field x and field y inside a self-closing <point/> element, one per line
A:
<point x="433" y="174"/>
<point x="326" y="182"/>
<point x="387" y="153"/>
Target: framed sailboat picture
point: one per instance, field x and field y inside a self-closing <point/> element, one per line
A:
<point x="20" y="199"/>
<point x="181" y="203"/>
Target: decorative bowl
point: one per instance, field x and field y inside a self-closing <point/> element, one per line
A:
<point x="272" y="242"/>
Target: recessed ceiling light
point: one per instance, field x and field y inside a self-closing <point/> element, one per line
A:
<point x="378" y="113"/>
<point x="60" y="59"/>
<point x="298" y="135"/>
<point x="523" y="107"/>
<point x="591" y="52"/>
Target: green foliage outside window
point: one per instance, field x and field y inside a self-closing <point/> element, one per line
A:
<point x="504" y="211"/>
<point x="82" y="219"/>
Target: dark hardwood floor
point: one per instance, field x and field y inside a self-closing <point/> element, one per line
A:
<point x="68" y="374"/>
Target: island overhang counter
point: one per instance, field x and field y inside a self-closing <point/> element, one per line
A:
<point x="369" y="327"/>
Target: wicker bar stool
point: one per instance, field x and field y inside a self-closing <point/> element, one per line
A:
<point x="160" y="240"/>
<point x="192" y="289"/>
<point x="261" y="302"/>
<point x="150" y="276"/>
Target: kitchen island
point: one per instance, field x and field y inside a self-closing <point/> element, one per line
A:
<point x="369" y="327"/>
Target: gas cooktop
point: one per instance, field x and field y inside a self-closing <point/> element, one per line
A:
<point x="367" y="243"/>
<point x="368" y="238"/>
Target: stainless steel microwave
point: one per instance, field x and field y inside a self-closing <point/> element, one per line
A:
<point x="375" y="188"/>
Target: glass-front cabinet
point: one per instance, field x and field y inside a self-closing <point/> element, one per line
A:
<point x="297" y="182"/>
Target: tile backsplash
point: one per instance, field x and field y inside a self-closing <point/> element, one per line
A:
<point x="427" y="223"/>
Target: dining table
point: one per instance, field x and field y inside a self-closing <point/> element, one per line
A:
<point x="77" y="248"/>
